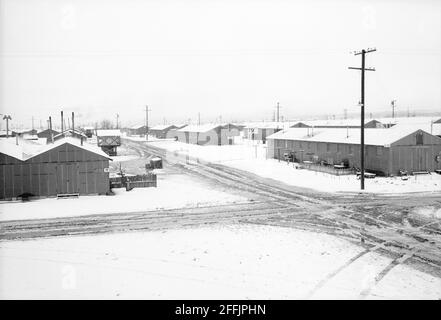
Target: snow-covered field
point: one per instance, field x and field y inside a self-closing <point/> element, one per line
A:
<point x="217" y="262"/>
<point x="253" y="158"/>
<point x="173" y="191"/>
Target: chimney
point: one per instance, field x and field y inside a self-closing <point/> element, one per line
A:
<point x="73" y="123"/>
<point x="62" y="122"/>
<point x="50" y="128"/>
<point x="81" y="140"/>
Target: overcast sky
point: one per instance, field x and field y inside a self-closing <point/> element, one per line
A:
<point x="234" y="59"/>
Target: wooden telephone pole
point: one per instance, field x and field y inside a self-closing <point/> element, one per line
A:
<point x="362" y="105"/>
<point x="393" y="105"/>
<point x="278" y="112"/>
<point x="147" y="122"/>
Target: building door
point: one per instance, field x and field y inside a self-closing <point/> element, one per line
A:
<point x="67" y="178"/>
<point x="420" y="159"/>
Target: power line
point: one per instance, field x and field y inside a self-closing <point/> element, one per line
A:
<point x="362" y="105"/>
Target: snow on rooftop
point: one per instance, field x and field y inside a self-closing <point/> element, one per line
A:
<point x="337" y="123"/>
<point x="409" y="120"/>
<point x="70" y="132"/>
<point x="137" y="126"/>
<point x="27" y="149"/>
<point x="373" y="136"/>
<point x="108" y="132"/>
<point x="203" y="127"/>
<point x="162" y="126"/>
<point x="268" y="125"/>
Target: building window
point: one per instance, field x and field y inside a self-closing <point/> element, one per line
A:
<point x="351" y="149"/>
<point x="328" y="147"/>
<point x="419" y="139"/>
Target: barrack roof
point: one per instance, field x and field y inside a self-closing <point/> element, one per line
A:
<point x="373" y="136"/>
<point x="27" y="149"/>
<point x="205" y="127"/>
<point x="163" y="126"/>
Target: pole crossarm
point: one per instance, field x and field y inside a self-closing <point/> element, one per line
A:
<point x="356" y="53"/>
<point x="365" y="69"/>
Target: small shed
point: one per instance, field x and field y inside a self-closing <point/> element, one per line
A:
<point x="109" y="140"/>
<point x="63" y="167"/>
<point x="88" y="131"/>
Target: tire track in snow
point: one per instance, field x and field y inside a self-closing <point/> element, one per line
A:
<point x="337" y="271"/>
<point x="380" y="276"/>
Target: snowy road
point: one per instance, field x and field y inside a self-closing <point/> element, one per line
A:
<point x="149" y="220"/>
<point x="386" y="224"/>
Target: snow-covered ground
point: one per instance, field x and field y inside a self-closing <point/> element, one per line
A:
<point x="173" y="191"/>
<point x="272" y="168"/>
<point x="151" y="138"/>
<point x="124" y="158"/>
<point x="252" y="157"/>
<point x="217" y="262"/>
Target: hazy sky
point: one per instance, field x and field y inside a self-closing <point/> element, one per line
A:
<point x="231" y="58"/>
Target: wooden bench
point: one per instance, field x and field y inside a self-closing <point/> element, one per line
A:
<point x="420" y="172"/>
<point x="367" y="175"/>
<point x="67" y="195"/>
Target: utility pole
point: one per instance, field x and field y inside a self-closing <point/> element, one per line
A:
<point x="362" y="105"/>
<point x="393" y="104"/>
<point x="32" y="123"/>
<point x="278" y="112"/>
<point x="117" y="120"/>
<point x="7" y="118"/>
<point x="147" y="122"/>
<point x="50" y="128"/>
<point x="199" y="118"/>
<point x="62" y="121"/>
